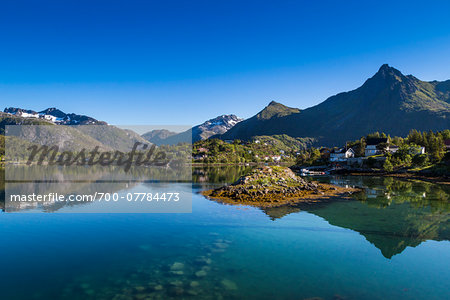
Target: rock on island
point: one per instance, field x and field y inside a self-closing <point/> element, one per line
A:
<point x="275" y="186"/>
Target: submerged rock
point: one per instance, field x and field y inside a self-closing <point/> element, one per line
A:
<point x="158" y="287"/>
<point x="176" y="283"/>
<point x="206" y="268"/>
<point x="228" y="284"/>
<point x="192" y="293"/>
<point x="202" y="260"/>
<point x="221" y="245"/>
<point x="177" y="266"/>
<point x="177" y="272"/>
<point x="200" y="273"/>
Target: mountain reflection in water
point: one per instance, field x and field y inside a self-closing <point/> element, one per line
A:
<point x="390" y="213"/>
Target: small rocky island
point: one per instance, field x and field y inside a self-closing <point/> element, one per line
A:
<point x="275" y="186"/>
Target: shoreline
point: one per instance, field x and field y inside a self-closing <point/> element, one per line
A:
<point x="405" y="176"/>
<point x="327" y="192"/>
<point x="248" y="164"/>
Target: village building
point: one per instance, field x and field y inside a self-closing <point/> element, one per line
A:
<point x="414" y="150"/>
<point x="392" y="148"/>
<point x="200" y="156"/>
<point x="372" y="146"/>
<point x="342" y="154"/>
<point x="276" y="158"/>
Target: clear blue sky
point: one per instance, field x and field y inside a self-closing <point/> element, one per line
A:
<point x="182" y="62"/>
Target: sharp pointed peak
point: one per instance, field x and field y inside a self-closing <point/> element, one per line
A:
<point x="385" y="67"/>
<point x="389" y="73"/>
<point x="273" y="102"/>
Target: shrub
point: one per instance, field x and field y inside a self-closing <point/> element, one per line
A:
<point x="420" y="160"/>
<point x="387" y="166"/>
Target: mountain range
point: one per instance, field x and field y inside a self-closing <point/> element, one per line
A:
<point x="387" y="102"/>
<point x="213" y="127"/>
<point x="78" y="136"/>
<point x="54" y="115"/>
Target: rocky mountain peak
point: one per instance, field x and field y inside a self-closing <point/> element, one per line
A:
<point x="226" y="121"/>
<point x="389" y="74"/>
<point x="54" y="115"/>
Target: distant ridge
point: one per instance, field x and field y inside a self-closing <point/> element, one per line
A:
<point x="158" y="136"/>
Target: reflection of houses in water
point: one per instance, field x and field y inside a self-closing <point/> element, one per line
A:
<point x="346" y="182"/>
<point x="374" y="192"/>
<point x="200" y="175"/>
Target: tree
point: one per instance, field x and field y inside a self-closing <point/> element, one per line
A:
<point x="387" y="166"/>
<point x="420" y="160"/>
<point x="358" y="146"/>
<point x="436" y="148"/>
<point x="415" y="137"/>
<point x="382" y="147"/>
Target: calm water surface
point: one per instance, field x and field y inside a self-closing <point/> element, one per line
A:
<point x="390" y="242"/>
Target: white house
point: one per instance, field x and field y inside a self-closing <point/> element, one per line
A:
<point x="276" y="158"/>
<point x="372" y="146"/>
<point x="341" y="154"/>
<point x="414" y="150"/>
<point x="392" y="148"/>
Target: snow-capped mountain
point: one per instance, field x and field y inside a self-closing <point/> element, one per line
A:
<point x="218" y="125"/>
<point x="54" y="115"/>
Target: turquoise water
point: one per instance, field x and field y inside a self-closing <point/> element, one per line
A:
<point x="391" y="242"/>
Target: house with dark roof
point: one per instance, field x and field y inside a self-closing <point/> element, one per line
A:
<point x="372" y="146"/>
<point x="342" y="154"/>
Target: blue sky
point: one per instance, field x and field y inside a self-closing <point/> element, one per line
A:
<point x="183" y="62"/>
